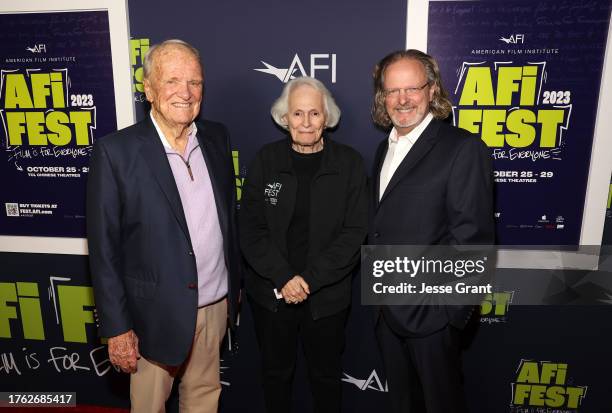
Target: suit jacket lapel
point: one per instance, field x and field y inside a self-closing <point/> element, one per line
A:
<point x="378" y="163"/>
<point x="215" y="165"/>
<point x="421" y="147"/>
<point x="155" y="156"/>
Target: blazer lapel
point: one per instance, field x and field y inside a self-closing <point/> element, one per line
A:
<point x="422" y="146"/>
<point x="216" y="166"/>
<point x="155" y="156"/>
<point x="378" y="163"/>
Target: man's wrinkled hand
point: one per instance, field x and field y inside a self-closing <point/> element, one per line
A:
<point x="296" y="290"/>
<point x="123" y="351"/>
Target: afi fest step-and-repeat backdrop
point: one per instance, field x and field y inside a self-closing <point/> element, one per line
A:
<point x="531" y="78"/>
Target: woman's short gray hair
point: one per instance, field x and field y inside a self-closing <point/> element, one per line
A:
<point x="281" y="106"/>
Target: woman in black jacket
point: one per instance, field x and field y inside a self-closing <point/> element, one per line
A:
<point x="303" y="218"/>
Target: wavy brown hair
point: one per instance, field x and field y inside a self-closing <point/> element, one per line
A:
<point x="440" y="106"/>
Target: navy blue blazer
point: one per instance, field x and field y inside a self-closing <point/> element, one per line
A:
<point x="142" y="262"/>
<point x="441" y="194"/>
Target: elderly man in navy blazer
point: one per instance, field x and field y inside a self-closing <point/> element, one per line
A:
<point x="432" y="186"/>
<point x="162" y="241"/>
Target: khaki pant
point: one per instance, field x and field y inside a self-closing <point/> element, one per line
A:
<point x="200" y="385"/>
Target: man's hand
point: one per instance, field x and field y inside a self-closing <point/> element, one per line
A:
<point x="296" y="290"/>
<point x="123" y="351"/>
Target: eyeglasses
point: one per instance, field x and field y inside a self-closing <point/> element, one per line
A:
<point x="409" y="91"/>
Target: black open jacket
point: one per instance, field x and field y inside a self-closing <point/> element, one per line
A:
<point x="338" y="225"/>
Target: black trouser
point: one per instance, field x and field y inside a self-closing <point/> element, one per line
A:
<point x="323" y="343"/>
<point x="424" y="373"/>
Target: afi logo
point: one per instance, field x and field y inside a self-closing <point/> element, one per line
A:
<point x="514" y="39"/>
<point x="37" y="48"/>
<point x="271" y="192"/>
<point x="496" y="304"/>
<point x="372" y="382"/>
<point x="545" y="385"/>
<point x="318" y="62"/>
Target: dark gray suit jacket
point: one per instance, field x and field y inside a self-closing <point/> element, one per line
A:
<point x="142" y="261"/>
<point x="441" y="194"/>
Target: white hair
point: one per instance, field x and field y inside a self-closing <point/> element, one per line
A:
<point x="280" y="108"/>
<point x="147" y="64"/>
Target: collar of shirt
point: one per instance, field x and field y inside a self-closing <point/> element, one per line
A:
<point x="169" y="149"/>
<point x="411" y="137"/>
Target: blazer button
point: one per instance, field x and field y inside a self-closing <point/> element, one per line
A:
<point x="192" y="286"/>
<point x="376" y="235"/>
<point x="190" y="253"/>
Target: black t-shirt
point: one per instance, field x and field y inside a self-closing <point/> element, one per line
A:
<point x="305" y="167"/>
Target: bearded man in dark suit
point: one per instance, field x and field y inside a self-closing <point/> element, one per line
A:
<point x="432" y="185"/>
